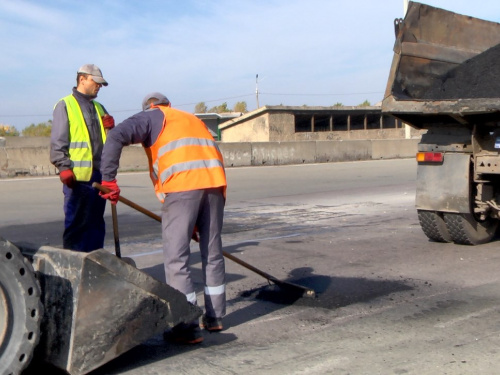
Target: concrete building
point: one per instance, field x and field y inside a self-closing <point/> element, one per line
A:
<point x="284" y="123"/>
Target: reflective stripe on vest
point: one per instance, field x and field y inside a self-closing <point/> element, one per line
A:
<point x="185" y="156"/>
<point x="80" y="147"/>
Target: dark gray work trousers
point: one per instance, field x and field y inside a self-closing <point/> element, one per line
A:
<point x="180" y="213"/>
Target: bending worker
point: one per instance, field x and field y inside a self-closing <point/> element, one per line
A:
<point x="187" y="171"/>
<point x="77" y="139"/>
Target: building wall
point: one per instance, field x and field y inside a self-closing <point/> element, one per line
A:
<point x="280" y="127"/>
<point x="212" y="124"/>
<point x="350" y="135"/>
<point x="254" y="130"/>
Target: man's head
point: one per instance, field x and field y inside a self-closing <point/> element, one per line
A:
<point x="89" y="79"/>
<point x="154" y="98"/>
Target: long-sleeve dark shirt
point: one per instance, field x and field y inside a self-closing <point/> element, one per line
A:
<point x="143" y="127"/>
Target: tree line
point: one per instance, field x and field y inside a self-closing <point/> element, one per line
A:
<point x="43" y="129"/>
<point x="201" y="107"/>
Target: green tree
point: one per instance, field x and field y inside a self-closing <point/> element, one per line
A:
<point x="43" y="129"/>
<point x="200" y="108"/>
<point x="220" y="108"/>
<point x="240" y="107"/>
<point x="8" y="131"/>
<point x="366" y="103"/>
<point x="338" y="104"/>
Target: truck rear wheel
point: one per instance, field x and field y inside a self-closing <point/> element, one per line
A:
<point x="20" y="310"/>
<point x="466" y="230"/>
<point x="434" y="226"/>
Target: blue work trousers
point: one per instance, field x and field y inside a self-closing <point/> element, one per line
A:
<point x="84" y="227"/>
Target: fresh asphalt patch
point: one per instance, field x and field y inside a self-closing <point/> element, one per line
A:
<point x="331" y="292"/>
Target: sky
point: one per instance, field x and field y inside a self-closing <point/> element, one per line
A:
<point x="293" y="52"/>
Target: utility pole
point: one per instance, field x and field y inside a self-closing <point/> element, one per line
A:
<point x="257" y="89"/>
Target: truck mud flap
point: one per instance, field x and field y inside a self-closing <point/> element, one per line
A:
<point x="444" y="188"/>
<point x="97" y="307"/>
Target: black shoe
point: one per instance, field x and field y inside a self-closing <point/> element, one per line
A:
<point x="184" y="335"/>
<point x="211" y="324"/>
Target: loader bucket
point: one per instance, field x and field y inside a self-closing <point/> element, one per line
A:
<point x="97" y="306"/>
<point x="433" y="47"/>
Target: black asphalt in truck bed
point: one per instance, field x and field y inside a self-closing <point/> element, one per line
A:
<point x="475" y="78"/>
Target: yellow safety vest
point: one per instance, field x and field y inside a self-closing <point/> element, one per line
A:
<point x="80" y="147"/>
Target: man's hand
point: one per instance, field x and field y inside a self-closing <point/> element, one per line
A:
<point x="114" y="192"/>
<point x="108" y="122"/>
<point x="68" y="178"/>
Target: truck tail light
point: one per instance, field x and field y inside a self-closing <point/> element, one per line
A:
<point x="430" y="157"/>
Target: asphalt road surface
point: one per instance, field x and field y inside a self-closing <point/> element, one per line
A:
<point x="388" y="301"/>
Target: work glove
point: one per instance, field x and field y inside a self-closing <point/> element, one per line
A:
<point x="114" y="192"/>
<point x="68" y="178"/>
<point x="108" y="122"/>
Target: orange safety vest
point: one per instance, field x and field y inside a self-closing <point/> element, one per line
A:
<point x="185" y="156"/>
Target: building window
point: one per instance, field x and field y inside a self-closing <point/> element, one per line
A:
<point x="357" y="122"/>
<point x="373" y="121"/>
<point x="303" y="123"/>
<point x="321" y="123"/>
<point x="340" y="122"/>
<point x="388" y="122"/>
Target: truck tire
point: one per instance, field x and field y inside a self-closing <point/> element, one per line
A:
<point x="466" y="230"/>
<point x="434" y="226"/>
<point x="20" y="310"/>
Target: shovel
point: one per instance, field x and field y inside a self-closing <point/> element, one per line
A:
<point x="116" y="236"/>
<point x="298" y="289"/>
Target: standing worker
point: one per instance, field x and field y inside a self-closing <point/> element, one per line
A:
<point x="187" y="171"/>
<point x="77" y="139"/>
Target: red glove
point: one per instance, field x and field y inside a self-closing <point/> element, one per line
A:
<point x="68" y="178"/>
<point x="108" y="122"/>
<point x="114" y="192"/>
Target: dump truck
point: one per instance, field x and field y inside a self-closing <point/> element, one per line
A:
<point x="443" y="81"/>
<point x="77" y="311"/>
